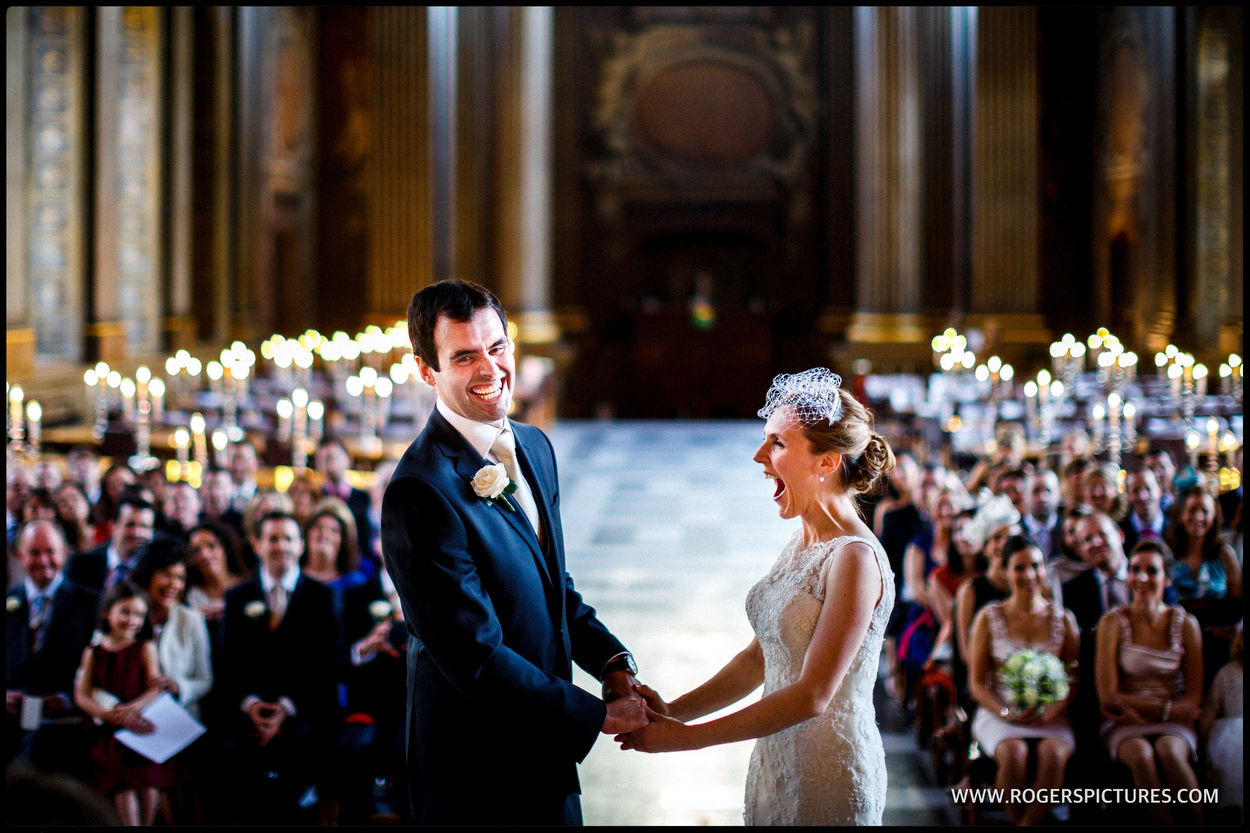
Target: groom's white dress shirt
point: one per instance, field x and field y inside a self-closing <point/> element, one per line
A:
<point x="482" y="436"/>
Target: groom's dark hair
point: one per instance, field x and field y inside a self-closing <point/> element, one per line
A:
<point x="458" y="300"/>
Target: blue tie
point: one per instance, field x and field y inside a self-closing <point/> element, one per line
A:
<point x="38" y="622"/>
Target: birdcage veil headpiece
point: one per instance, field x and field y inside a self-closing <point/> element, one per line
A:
<point x="809" y="397"/>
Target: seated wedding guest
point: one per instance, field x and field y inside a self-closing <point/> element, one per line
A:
<point x="102" y="567"/>
<point x="179" y="630"/>
<point x="1075" y="444"/>
<point x="1222" y="726"/>
<point x="112" y="484"/>
<point x="214" y="566"/>
<point x="39" y="505"/>
<point x="1041" y="511"/>
<point x="1159" y="460"/>
<point x="994" y="522"/>
<point x="84" y="469"/>
<point x="243" y="468"/>
<point x="1146" y="519"/>
<point x="964" y="565"/>
<point x="331" y="556"/>
<point x="1072" y="476"/>
<point x="261" y="503"/>
<point x="216" y="494"/>
<point x="119" y="676"/>
<point x="333" y="461"/>
<point x="46" y="475"/>
<point x="371" y="746"/>
<point x="1009" y="448"/>
<point x="48" y="623"/>
<point x="1067" y="563"/>
<point x="900" y="492"/>
<point x="930" y="549"/>
<point x="1149" y="679"/>
<point x="279" y="654"/>
<point x="182" y="506"/>
<point x="1011" y="483"/>
<point x="1003" y="727"/>
<point x="17" y="484"/>
<point x="1206" y="567"/>
<point x="1101" y="587"/>
<point x="1100" y="490"/>
<point x="154" y="480"/>
<point x="73" y="510"/>
<point x="304" y="492"/>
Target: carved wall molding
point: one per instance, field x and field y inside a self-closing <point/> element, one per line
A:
<point x="777" y="99"/>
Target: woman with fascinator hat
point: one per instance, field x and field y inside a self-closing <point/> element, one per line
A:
<point x="819" y="618"/>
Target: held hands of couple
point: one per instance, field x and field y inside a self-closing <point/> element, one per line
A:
<point x="625" y="704"/>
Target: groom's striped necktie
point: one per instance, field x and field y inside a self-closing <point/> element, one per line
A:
<point x="504" y="448"/>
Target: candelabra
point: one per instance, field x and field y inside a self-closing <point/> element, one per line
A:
<point x="1068" y="360"/>
<point x="1230" y="378"/>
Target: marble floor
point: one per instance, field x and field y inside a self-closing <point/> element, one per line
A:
<point x="667" y="526"/>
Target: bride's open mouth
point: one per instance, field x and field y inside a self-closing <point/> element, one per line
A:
<point x="778" y="483"/>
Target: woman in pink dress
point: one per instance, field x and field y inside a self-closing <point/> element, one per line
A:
<point x="1011" y="733"/>
<point x="1149" y="675"/>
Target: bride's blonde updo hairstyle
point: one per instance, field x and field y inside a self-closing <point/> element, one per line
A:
<point x="833" y="421"/>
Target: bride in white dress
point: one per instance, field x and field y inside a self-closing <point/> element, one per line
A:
<point x="819" y="618"/>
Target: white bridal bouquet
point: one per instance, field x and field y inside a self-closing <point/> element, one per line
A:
<point x="1032" y="679"/>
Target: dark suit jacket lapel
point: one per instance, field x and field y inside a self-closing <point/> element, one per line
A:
<point x="467" y="463"/>
<point x="19" y="622"/>
<point x="540" y="488"/>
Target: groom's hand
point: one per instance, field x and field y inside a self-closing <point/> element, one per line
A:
<point x="620" y="685"/>
<point x="625" y="714"/>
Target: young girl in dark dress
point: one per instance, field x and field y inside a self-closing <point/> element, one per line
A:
<point x="118" y="678"/>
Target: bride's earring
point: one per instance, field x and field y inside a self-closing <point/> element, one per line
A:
<point x="822" y="478"/>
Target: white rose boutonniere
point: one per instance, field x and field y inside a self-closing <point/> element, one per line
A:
<point x="12" y="604"/>
<point x="381" y="609"/>
<point x="254" y="609"/>
<point x="491" y="483"/>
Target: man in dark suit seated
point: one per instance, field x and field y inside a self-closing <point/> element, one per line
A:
<point x="216" y="494"/>
<point x="1089" y="595"/>
<point x="376" y="670"/>
<point x="102" y="567"/>
<point x="333" y="461"/>
<point x="1147" y="520"/>
<point x="279" y="647"/>
<point x="48" y="624"/>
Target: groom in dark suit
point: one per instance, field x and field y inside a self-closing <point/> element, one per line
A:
<point x="495" y="725"/>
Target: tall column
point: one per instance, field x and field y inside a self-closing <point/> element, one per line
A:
<point x="129" y="225"/>
<point x="536" y="320"/>
<point x="19" y="356"/>
<point x="1005" y="196"/>
<point x="888" y="220"/>
<point x="179" y="325"/>
<point x="1213" y="232"/>
<point x="441" y="46"/>
<point x="400" y="241"/>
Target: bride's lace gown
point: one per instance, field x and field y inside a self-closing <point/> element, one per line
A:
<point x="830" y="769"/>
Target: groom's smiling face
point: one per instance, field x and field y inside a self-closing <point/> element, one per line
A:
<point x="476" y="366"/>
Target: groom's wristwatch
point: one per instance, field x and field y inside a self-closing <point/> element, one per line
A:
<point x="620" y="662"/>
